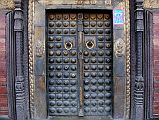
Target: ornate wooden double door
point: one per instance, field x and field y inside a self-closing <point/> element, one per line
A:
<point x="79" y="64"/>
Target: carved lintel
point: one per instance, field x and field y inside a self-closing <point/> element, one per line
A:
<point x="6" y="4"/>
<point x="75" y="2"/>
<point x="78" y="2"/>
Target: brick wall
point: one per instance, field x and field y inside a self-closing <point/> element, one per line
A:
<point x="3" y="87"/>
<point x="156" y="63"/>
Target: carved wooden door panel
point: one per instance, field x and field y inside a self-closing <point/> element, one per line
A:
<point x="79" y="64"/>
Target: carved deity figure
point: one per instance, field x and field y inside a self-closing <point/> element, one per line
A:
<point x="119" y="47"/>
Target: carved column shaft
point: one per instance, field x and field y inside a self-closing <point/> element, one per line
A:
<point x="139" y="81"/>
<point x="19" y="81"/>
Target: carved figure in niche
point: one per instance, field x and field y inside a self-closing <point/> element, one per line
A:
<point x="119" y="47"/>
<point x="39" y="49"/>
<point x="85" y="1"/>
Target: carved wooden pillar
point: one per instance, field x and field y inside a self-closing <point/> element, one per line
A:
<point x="139" y="81"/>
<point x="20" y="85"/>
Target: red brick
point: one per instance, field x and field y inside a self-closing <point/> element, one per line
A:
<point x="3" y="83"/>
<point x="3" y="112"/>
<point x="3" y="108"/>
<point x="3" y="79"/>
<point x="156" y="98"/>
<point x="156" y="63"/>
<point x="2" y="40"/>
<point x="156" y="73"/>
<point x="155" y="111"/>
<point x="2" y="58"/>
<point x="155" y="18"/>
<point x="2" y="33"/>
<point x="156" y="85"/>
<point x="156" y="57"/>
<point x="2" y="71"/>
<point x="156" y="94"/>
<point x="4" y="98"/>
<point x="3" y="90"/>
<point x="156" y="31"/>
<point x="3" y="104"/>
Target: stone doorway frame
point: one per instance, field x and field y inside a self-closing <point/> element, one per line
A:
<point x="33" y="6"/>
<point x="24" y="83"/>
